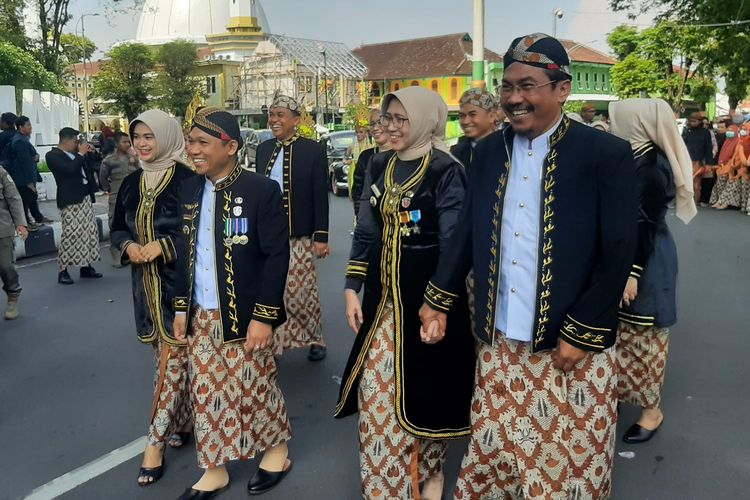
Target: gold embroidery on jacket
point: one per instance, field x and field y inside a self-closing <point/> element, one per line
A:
<point x="229" y="268"/>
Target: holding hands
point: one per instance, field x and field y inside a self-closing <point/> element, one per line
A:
<point x="143" y="254"/>
<point x="434" y="324"/>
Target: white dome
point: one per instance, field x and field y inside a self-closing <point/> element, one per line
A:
<point x="163" y="21"/>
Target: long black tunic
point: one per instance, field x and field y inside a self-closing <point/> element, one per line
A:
<point x="433" y="382"/>
<point x="655" y="264"/>
<point x="142" y="216"/>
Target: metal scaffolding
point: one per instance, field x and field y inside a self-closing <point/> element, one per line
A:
<point x="322" y="75"/>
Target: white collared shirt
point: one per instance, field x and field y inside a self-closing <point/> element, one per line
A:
<point x="205" y="291"/>
<point x="520" y="237"/>
<point x="277" y="171"/>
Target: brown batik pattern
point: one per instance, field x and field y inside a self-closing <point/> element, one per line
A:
<point x="721" y="184"/>
<point x="641" y="363"/>
<point x="386" y="451"/>
<point x="303" y="325"/>
<point x="238" y="407"/>
<point x="745" y="198"/>
<point x="732" y="194"/>
<point x="79" y="240"/>
<point x="539" y="433"/>
<point x="173" y="397"/>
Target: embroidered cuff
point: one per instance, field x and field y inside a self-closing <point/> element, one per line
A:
<point x="439" y="299"/>
<point x="180" y="304"/>
<point x="586" y="337"/>
<point x="356" y="269"/>
<point x="168" y="251"/>
<point x="125" y="245"/>
<point x="636" y="271"/>
<point x="635" y="319"/>
<point x="266" y="314"/>
<point x="320" y="236"/>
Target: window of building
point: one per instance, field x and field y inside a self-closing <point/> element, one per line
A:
<point x="578" y="81"/>
<point x="586" y="77"/>
<point x="454" y="89"/>
<point x="414" y="83"/>
<point x="605" y="82"/>
<point x="434" y="85"/>
<point x="396" y="86"/>
<point x="376" y="89"/>
<point x="211" y="84"/>
<point x="596" y="81"/>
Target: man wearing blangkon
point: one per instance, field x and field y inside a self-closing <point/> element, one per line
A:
<point x="550" y="224"/>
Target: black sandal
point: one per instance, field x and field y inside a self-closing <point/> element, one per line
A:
<point x="153" y="474"/>
<point x="179" y="439"/>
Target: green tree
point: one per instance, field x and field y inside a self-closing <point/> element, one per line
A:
<point x="124" y="80"/>
<point x="12" y="29"/>
<point x="623" y="40"/>
<point x="53" y="16"/>
<point x="76" y="48"/>
<point x="20" y="69"/>
<point x="175" y="87"/>
<point x="635" y="76"/>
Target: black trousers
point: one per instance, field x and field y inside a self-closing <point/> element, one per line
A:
<point x="30" y="203"/>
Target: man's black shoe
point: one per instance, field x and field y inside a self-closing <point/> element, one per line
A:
<point x="64" y="278"/>
<point x="90" y="272"/>
<point x="317" y="352"/>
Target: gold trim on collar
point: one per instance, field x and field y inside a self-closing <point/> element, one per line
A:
<point x="236" y="171"/>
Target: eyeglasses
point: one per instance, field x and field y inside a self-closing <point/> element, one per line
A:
<point x="398" y="121"/>
<point x="525" y="89"/>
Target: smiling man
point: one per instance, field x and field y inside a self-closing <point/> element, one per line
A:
<point x="550" y="225"/>
<point x="300" y="168"/>
<point x="232" y="267"/>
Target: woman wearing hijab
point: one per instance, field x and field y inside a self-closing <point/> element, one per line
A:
<point x="648" y="306"/>
<point x="478" y="116"/>
<point x="726" y="154"/>
<point x="411" y="387"/>
<point x="381" y="145"/>
<point x="145" y="229"/>
<point x="733" y="194"/>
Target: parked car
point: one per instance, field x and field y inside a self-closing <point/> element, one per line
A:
<point x="251" y="138"/>
<point x="338" y="147"/>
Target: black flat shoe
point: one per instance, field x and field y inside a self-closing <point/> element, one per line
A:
<point x="264" y="480"/>
<point x="153" y="474"/>
<point x="90" y="272"/>
<point x="64" y="278"/>
<point x="193" y="494"/>
<point x="317" y="353"/>
<point x="637" y="434"/>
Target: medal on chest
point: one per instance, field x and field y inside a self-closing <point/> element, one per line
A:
<point x="235" y="231"/>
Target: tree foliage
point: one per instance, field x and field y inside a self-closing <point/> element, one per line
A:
<point x="20" y="69"/>
<point x="53" y="15"/>
<point x="12" y="29"/>
<point x="76" y="48"/>
<point x="174" y="86"/>
<point x="665" y="60"/>
<point x="125" y="81"/>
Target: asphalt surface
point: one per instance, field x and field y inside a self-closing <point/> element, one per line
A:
<point x="75" y="384"/>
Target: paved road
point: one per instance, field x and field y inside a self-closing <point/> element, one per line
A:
<point x="75" y="384"/>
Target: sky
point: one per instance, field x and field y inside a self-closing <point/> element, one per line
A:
<point x="356" y="22"/>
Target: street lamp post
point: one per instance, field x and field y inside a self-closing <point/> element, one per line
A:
<point x="325" y="79"/>
<point x="85" y="76"/>
<point x="556" y="14"/>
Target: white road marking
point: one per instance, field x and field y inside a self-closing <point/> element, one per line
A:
<point x="51" y="259"/>
<point x="97" y="467"/>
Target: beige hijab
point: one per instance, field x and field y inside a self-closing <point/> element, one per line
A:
<point x="427" y="113"/>
<point x="641" y="121"/>
<point x="170" y="144"/>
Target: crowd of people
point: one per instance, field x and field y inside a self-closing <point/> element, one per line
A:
<point x="513" y="288"/>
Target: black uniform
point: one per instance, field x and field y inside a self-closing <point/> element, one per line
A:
<point x="587" y="237"/>
<point x="251" y="268"/>
<point x="142" y="216"/>
<point x="305" y="192"/>
<point x="395" y="262"/>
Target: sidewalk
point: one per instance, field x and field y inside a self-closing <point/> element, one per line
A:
<point x="47" y="238"/>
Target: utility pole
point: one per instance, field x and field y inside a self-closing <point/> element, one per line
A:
<point x="85" y="78"/>
<point x="478" y="46"/>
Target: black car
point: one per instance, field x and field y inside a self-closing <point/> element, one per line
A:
<point x="339" y="148"/>
<point x="251" y="139"/>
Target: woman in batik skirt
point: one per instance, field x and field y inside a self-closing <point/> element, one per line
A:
<point x="648" y="306"/>
<point x="726" y="154"/>
<point x="412" y="389"/>
<point x="732" y="194"/>
<point x="146" y="225"/>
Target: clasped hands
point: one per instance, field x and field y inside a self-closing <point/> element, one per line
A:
<point x="142" y="254"/>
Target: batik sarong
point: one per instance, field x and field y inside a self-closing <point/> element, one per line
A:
<point x="79" y="241"/>
<point x="172" y="396"/>
<point x="238" y="408"/>
<point x="392" y="462"/>
<point x="539" y="433"/>
<point x="641" y="362"/>
<point x="303" y="325"/>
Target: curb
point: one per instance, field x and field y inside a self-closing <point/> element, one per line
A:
<point x="47" y="239"/>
